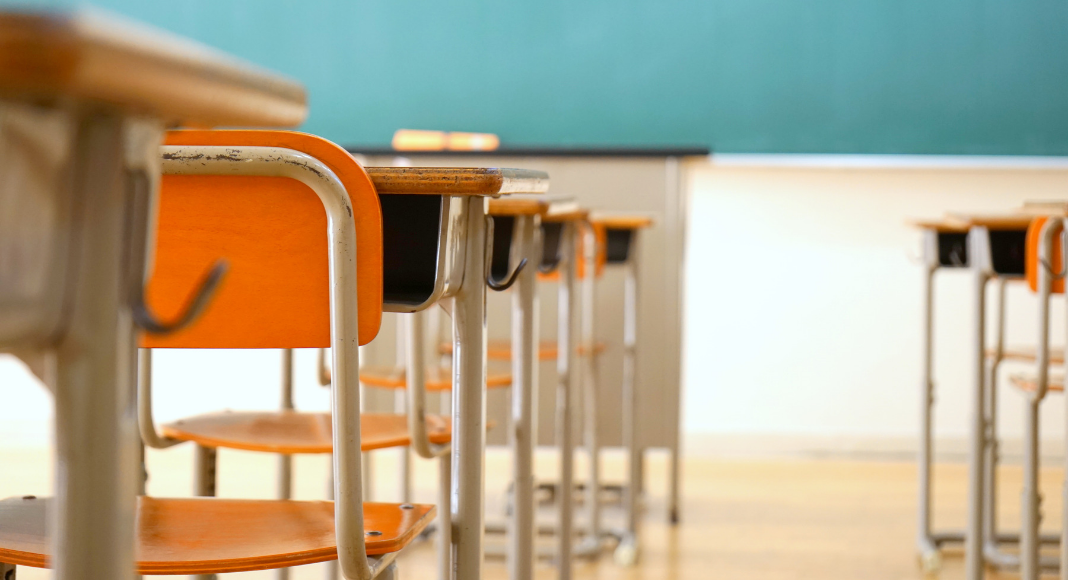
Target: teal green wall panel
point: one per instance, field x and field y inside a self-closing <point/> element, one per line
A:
<point x="754" y="76"/>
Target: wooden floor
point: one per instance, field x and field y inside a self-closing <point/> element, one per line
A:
<point x="766" y="519"/>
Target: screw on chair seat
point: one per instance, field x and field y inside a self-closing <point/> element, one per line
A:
<point x="295" y="432"/>
<point x="437" y="378"/>
<point x="547" y="349"/>
<point x="1028" y="354"/>
<point x="213" y="536"/>
<point x="1029" y="383"/>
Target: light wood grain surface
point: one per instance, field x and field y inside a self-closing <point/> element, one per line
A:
<point x="87" y="56"/>
<point x="457" y="180"/>
<point x="621" y="221"/>
<point x="296" y="432"/>
<point x="211" y="535"/>
<point x="761" y="519"/>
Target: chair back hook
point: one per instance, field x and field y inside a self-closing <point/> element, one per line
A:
<point x="193" y="307"/>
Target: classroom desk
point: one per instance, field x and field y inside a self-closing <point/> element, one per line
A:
<point x="650" y="181"/>
<point x="85" y="100"/>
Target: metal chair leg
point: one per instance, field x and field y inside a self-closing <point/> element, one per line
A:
<point x="284" y="480"/>
<point x="204" y="479"/>
<point x="445" y="533"/>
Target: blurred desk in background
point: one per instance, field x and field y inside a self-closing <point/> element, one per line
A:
<point x="649" y="181"/>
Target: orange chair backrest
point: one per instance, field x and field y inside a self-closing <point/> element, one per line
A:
<point x="1034" y="236"/>
<point x="272" y="232"/>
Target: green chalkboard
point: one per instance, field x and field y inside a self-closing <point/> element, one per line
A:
<point x="754" y="76"/>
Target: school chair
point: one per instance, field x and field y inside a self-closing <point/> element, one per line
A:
<point x="1046" y="269"/>
<point x="263" y="178"/>
<point x="85" y="99"/>
<point x="415" y="216"/>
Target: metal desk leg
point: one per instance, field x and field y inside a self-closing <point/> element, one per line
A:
<point x="979" y="256"/>
<point x="469" y="400"/>
<point x="930" y="558"/>
<point x="96" y="456"/>
<point x="628" y="551"/>
<point x="523" y="434"/>
<point x="591" y="545"/>
<point x="566" y="327"/>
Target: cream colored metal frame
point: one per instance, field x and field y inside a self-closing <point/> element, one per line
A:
<point x="341" y="237"/>
<point x="523" y="433"/>
<point x="81" y="181"/>
<point x="628" y="550"/>
<point x="981" y="507"/>
<point x="1030" y="540"/>
<point x="462" y="274"/>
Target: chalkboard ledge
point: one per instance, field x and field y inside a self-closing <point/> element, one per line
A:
<point x="527" y="151"/>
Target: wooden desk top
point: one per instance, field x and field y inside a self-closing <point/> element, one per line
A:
<point x="457" y="180"/>
<point x="564" y="210"/>
<point x="1004" y="221"/>
<point x="88" y="56"/>
<point x="941" y="226"/>
<point x="621" y="221"/>
<point x="517" y="206"/>
<point x="961" y="223"/>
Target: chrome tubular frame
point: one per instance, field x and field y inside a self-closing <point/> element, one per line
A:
<point x="1030" y="564"/>
<point x="930" y="557"/>
<point x="92" y="371"/>
<point x="523" y="433"/>
<point x="627" y="552"/>
<point x="591" y="545"/>
<point x="284" y="482"/>
<point x="469" y="398"/>
<point x="566" y="330"/>
<point x="979" y="264"/>
<point x="416" y="379"/>
<point x="344" y="328"/>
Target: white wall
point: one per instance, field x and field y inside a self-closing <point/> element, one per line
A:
<point x="804" y="303"/>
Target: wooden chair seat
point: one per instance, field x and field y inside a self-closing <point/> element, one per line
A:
<point x="1029" y="354"/>
<point x="211" y="535"/>
<point x="1029" y="383"/>
<point x="291" y="432"/>
<point x="547" y="349"/>
<point x="437" y="378"/>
